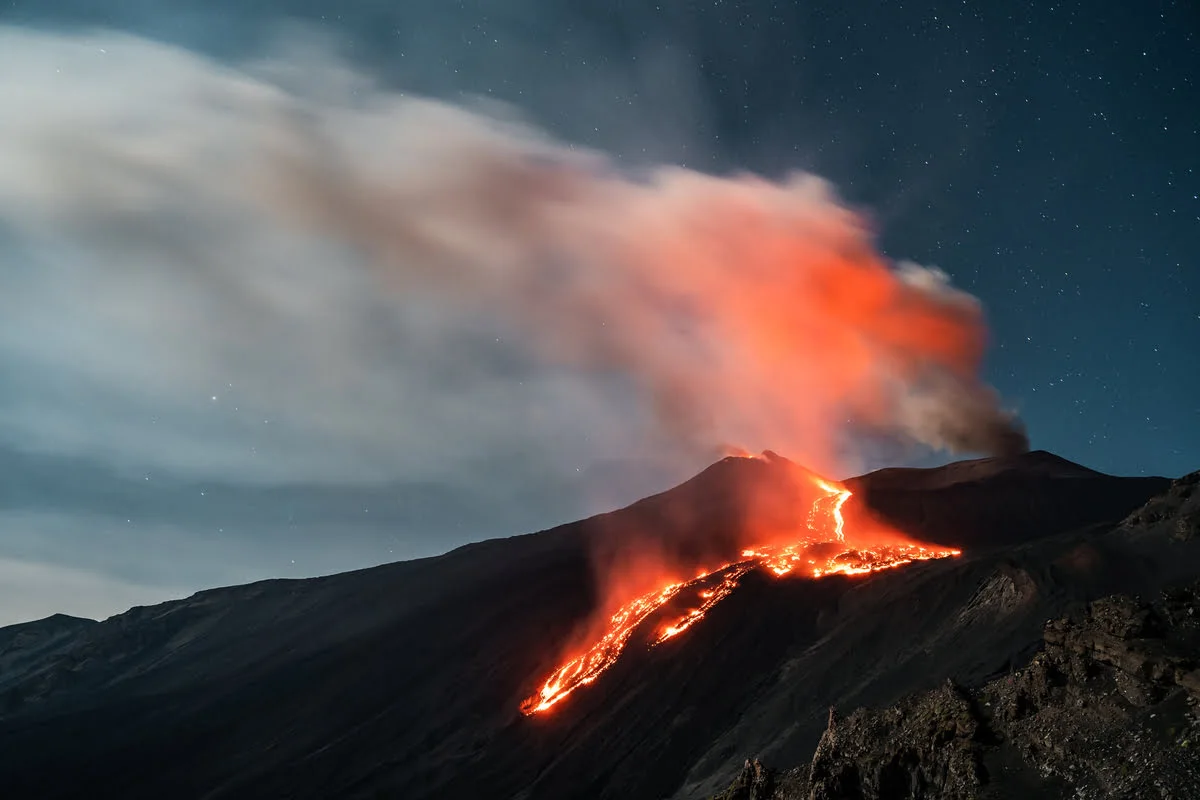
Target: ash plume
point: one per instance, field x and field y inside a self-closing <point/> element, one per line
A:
<point x="743" y="309"/>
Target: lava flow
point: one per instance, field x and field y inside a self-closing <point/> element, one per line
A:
<point x="811" y="554"/>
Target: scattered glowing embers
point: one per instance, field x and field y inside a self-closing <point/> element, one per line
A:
<point x="813" y="555"/>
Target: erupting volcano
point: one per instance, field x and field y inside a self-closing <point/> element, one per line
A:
<point x="313" y="688"/>
<point x="821" y="549"/>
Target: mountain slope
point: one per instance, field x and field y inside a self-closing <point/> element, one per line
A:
<point x="1029" y="496"/>
<point x="404" y="680"/>
<point x="1108" y="708"/>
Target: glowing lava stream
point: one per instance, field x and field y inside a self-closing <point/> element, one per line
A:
<point x="713" y="586"/>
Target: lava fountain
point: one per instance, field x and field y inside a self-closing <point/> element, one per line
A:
<point x="817" y="552"/>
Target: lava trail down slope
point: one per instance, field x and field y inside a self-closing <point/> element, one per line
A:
<point x="407" y="680"/>
<point x="816" y="547"/>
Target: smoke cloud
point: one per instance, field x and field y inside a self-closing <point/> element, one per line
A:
<point x="743" y="310"/>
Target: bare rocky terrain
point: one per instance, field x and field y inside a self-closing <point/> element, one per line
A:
<point x="1108" y="708"/>
<point x="404" y="680"/>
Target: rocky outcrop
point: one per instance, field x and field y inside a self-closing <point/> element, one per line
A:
<point x="1110" y="708"/>
<point x="924" y="747"/>
<point x="756" y="782"/>
<point x="1177" y="510"/>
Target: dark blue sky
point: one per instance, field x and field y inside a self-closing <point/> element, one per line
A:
<point x="1046" y="156"/>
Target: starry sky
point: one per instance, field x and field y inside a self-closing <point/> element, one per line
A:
<point x="1045" y="155"/>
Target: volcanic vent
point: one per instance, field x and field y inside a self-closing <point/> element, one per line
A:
<point x="817" y="544"/>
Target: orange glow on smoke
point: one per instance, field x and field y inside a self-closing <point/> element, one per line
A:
<point x="808" y="554"/>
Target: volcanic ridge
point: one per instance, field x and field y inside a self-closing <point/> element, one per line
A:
<point x="669" y="649"/>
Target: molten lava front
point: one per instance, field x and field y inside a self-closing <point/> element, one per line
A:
<point x="820" y="551"/>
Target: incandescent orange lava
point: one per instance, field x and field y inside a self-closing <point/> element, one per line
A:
<point x="821" y="551"/>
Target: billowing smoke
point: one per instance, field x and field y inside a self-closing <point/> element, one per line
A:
<point x="748" y="311"/>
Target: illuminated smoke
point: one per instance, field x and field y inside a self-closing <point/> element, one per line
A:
<point x="746" y="310"/>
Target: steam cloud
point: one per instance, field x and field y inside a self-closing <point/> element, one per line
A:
<point x="749" y="311"/>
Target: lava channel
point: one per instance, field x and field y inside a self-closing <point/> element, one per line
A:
<point x="811" y="555"/>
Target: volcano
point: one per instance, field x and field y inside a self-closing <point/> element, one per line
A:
<point x="413" y="679"/>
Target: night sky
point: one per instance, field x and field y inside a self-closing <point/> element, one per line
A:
<point x="1046" y="156"/>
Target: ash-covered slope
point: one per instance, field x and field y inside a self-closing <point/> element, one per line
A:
<point x="405" y="680"/>
<point x="1109" y="708"/>
<point x="1028" y="496"/>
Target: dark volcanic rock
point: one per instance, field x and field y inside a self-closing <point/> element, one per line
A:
<point x="1109" y="709"/>
<point x="1177" y="510"/>
<point x="923" y="748"/>
<point x="755" y="782"/>
<point x="405" y="680"/>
